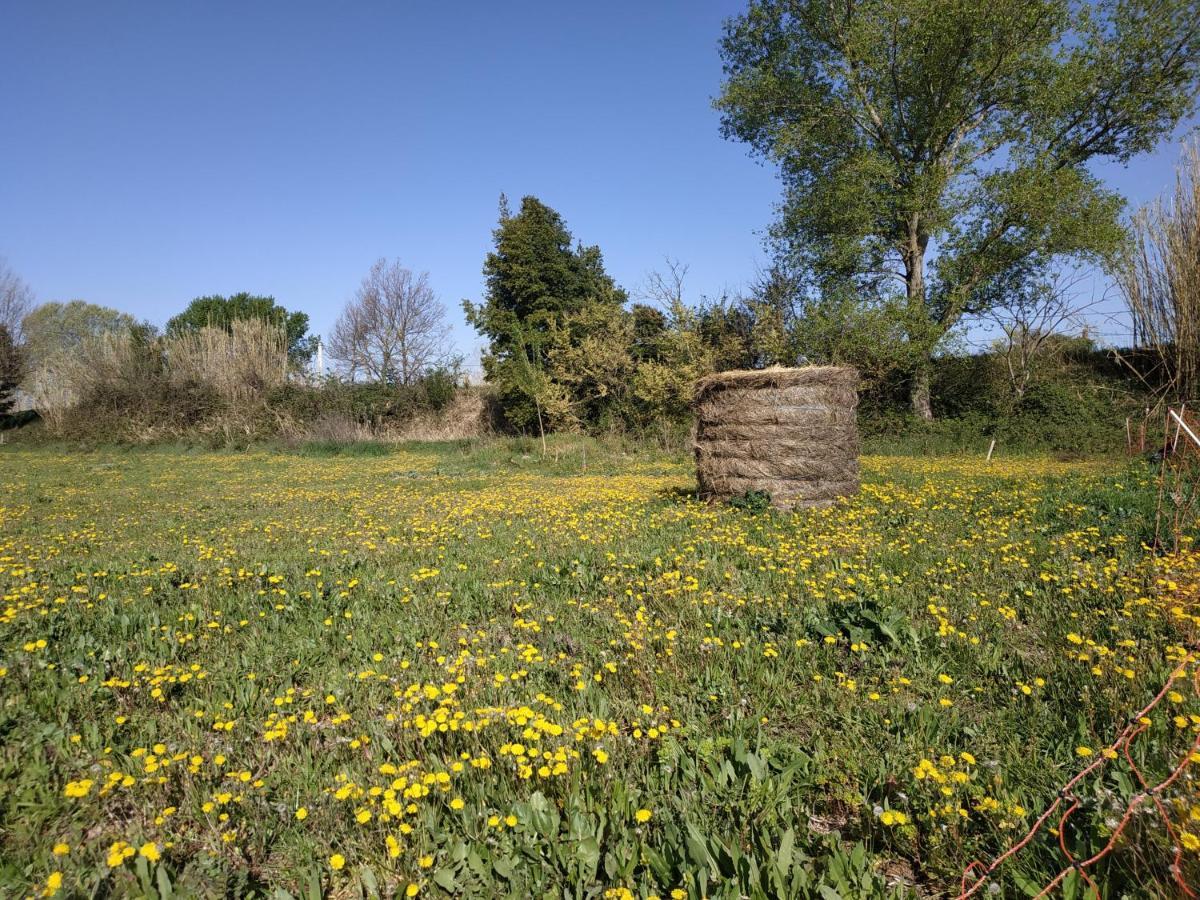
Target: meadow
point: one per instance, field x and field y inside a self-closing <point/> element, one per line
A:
<point x="468" y="669"/>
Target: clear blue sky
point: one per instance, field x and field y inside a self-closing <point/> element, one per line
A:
<point x="154" y="152"/>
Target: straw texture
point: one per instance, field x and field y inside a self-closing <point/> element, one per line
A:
<point x="791" y="433"/>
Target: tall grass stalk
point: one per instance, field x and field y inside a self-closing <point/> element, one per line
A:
<point x="1159" y="277"/>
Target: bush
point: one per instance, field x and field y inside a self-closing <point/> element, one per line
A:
<point x="226" y="386"/>
<point x="131" y="386"/>
<point x="1059" y="415"/>
<point x="366" y="407"/>
<point x="901" y="432"/>
<point x="440" y="387"/>
<point x="1078" y="406"/>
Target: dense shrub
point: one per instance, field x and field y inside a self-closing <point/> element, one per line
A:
<point x="131" y="385"/>
<point x="235" y="385"/>
<point x="232" y="385"/>
<point x="373" y="405"/>
<point x="1059" y="415"/>
<point x="1078" y="406"/>
<point x="439" y="387"/>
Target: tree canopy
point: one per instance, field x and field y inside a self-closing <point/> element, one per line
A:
<point x="544" y="299"/>
<point x="963" y="129"/>
<point x="393" y="330"/>
<point x="220" y="312"/>
<point x="56" y="328"/>
<point x="535" y="277"/>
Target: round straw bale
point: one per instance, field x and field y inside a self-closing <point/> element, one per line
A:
<point x="791" y="433"/>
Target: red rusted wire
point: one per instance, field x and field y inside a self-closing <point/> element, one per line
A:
<point x="1148" y="793"/>
<point x="1122" y="743"/>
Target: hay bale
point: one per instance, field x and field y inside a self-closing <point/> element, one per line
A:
<point x="791" y="433"/>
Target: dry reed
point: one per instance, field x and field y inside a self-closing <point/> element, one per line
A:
<point x="1159" y="277"/>
<point x="240" y="365"/>
<point x="129" y="385"/>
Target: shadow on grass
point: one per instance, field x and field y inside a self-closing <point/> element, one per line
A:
<point x="680" y="494"/>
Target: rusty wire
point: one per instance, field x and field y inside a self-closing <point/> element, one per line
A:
<point x="1121" y="745"/>
<point x="1176" y="483"/>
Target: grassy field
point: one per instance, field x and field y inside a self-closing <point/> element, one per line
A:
<point x="471" y="670"/>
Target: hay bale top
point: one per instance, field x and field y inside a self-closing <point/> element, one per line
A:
<point x="776" y="377"/>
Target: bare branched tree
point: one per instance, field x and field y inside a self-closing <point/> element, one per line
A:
<point x="16" y="300"/>
<point x="665" y="289"/>
<point x="393" y="330"/>
<point x="1159" y="277"/>
<point x="1036" y="321"/>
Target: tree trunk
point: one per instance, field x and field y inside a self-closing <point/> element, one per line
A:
<point x="541" y="427"/>
<point x="914" y="285"/>
<point x="919" y="393"/>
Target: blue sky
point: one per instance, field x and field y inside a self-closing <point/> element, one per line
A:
<point x="154" y="152"/>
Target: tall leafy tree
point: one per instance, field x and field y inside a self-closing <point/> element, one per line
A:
<point x="220" y="312"/>
<point x="951" y="132"/>
<point x="55" y="329"/>
<point x="540" y="291"/>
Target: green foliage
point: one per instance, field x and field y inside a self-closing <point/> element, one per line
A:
<point x="727" y="329"/>
<point x="836" y="328"/>
<point x="439" y="387"/>
<point x="867" y="620"/>
<point x="145" y="389"/>
<point x="219" y="312"/>
<point x="667" y="369"/>
<point x="1056" y="415"/>
<point x="753" y="501"/>
<point x="534" y="276"/>
<point x="345" y="448"/>
<point x="55" y="329"/>
<point x="373" y="405"/>
<point x="139" y="387"/>
<point x="528" y="397"/>
<point x="130" y="391"/>
<point x="544" y="301"/>
<point x="650" y="328"/>
<point x="1079" y="406"/>
<point x="901" y="124"/>
<point x="589" y="356"/>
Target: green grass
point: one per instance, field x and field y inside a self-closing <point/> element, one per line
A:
<point x="371" y="635"/>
